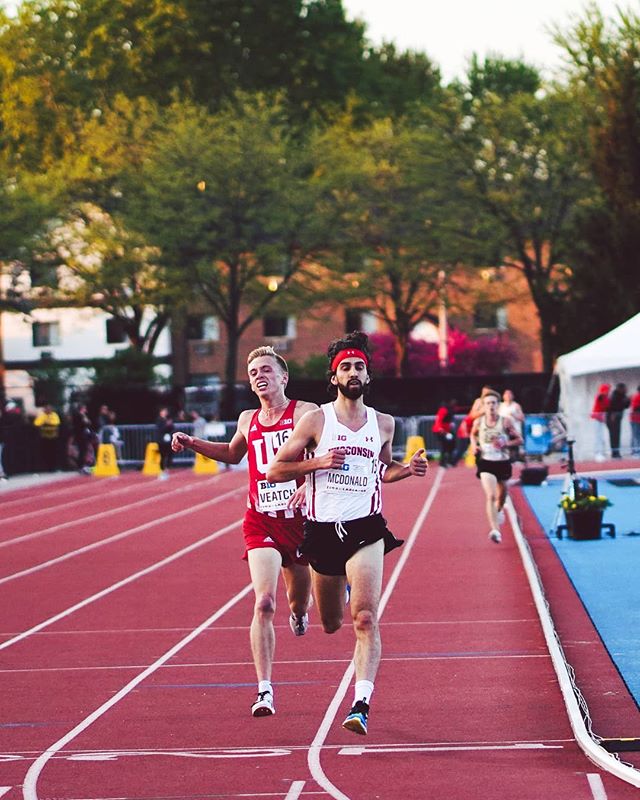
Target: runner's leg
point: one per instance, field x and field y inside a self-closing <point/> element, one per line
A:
<point x="264" y="566"/>
<point x="364" y="572"/>
<point x="329" y="593"/>
<point x="490" y="486"/>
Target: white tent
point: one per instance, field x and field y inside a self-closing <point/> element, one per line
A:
<point x="613" y="358"/>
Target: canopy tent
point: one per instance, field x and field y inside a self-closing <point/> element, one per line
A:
<point x="612" y="358"/>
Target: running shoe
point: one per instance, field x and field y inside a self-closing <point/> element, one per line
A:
<point x="263" y="706"/>
<point x="299" y="625"/>
<point x="356" y="720"/>
<point x="495" y="536"/>
<point x="347" y="594"/>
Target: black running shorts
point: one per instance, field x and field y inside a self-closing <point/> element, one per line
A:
<point x="329" y="545"/>
<point x="501" y="469"/>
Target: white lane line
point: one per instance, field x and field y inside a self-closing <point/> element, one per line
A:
<point x="313" y="758"/>
<point x="29" y="788"/>
<point x="82" y="520"/>
<point x="87" y="498"/>
<point x="594" y="751"/>
<point x="117" y="536"/>
<point x="4" y="790"/>
<point x="124" y="582"/>
<point x="295" y="790"/>
<point x="354" y="750"/>
<point x="295" y="662"/>
<point x="596" y="786"/>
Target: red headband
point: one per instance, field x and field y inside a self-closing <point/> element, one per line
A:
<point x="351" y="353"/>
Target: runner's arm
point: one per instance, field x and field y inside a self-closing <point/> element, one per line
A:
<point x="396" y="471"/>
<point x="228" y="452"/>
<point x="285" y="466"/>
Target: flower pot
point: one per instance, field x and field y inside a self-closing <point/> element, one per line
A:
<point x="584" y="524"/>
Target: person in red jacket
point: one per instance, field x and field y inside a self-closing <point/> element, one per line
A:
<point x="444" y="429"/>
<point x="599" y="417"/>
<point x="635" y="424"/>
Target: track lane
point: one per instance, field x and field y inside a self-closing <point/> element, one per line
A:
<point x="187" y="726"/>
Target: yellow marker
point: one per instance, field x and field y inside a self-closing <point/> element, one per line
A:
<point x="205" y="466"/>
<point x="414" y="443"/>
<point x="106" y="462"/>
<point x="151" y="460"/>
<point x="470" y="458"/>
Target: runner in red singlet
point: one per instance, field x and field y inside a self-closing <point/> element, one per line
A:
<point x="272" y="531"/>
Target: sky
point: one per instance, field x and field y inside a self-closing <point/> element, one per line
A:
<point x="449" y="31"/>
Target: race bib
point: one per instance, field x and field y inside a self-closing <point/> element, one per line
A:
<point x="352" y="478"/>
<point x="274" y="496"/>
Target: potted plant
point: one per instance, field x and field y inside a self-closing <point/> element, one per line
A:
<point x="583" y="515"/>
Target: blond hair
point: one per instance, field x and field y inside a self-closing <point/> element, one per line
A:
<point x="267" y="350"/>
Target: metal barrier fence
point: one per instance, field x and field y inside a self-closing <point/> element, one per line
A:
<point x="552" y="432"/>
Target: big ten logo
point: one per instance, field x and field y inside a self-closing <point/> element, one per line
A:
<point x="341" y="437"/>
<point x="266" y="448"/>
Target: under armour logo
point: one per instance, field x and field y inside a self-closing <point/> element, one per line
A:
<point x="268" y="539"/>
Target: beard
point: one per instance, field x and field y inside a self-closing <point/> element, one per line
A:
<point x="352" y="390"/>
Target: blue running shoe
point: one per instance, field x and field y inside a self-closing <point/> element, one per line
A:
<point x="356" y="720"/>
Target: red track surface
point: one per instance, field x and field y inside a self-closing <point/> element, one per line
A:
<point x="126" y="671"/>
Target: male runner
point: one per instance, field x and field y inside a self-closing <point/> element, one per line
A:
<point x="272" y="531"/>
<point x="348" y="446"/>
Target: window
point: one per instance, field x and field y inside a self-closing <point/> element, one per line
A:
<point x="116" y="333"/>
<point x="201" y="327"/>
<point x="359" y="319"/>
<point x="275" y="326"/>
<point x="490" y="315"/>
<point x="45" y="334"/>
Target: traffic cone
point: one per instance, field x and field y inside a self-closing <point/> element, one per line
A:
<point x="106" y="462"/>
<point x="205" y="466"/>
<point x="151" y="464"/>
<point x="414" y="443"/>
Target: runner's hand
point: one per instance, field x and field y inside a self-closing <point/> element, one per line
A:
<point x="297" y="498"/>
<point x="418" y="464"/>
<point x="180" y="441"/>
<point x="334" y="459"/>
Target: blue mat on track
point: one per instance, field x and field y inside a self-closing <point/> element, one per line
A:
<point x="605" y="572"/>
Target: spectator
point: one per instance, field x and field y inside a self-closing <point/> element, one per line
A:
<point x="164" y="433"/>
<point x="110" y="434"/>
<point x="48" y="425"/>
<point x="199" y="425"/>
<point x="509" y="408"/>
<point x="598" y="415"/>
<point x="444" y="428"/>
<point x="83" y="438"/>
<point x="635" y="424"/>
<point x="462" y="439"/>
<point x="618" y="403"/>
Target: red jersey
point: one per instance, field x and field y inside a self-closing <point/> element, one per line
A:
<point x="263" y="442"/>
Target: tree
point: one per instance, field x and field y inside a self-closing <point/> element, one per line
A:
<point x="525" y="173"/>
<point x="387" y="187"/>
<point x="228" y="199"/>
<point x="604" y="57"/>
<point x="101" y="264"/>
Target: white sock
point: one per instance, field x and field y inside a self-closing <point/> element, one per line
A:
<point x="364" y="690"/>
<point x="265" y="686"/>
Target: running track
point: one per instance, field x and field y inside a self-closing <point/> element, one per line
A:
<point x="126" y="672"/>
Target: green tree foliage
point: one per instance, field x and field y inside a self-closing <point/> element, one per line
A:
<point x="524" y="169"/>
<point x="101" y="264"/>
<point x="387" y="187"/>
<point x="605" y="72"/>
<point x="228" y="199"/>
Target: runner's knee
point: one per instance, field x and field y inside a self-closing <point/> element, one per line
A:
<point x="331" y="624"/>
<point x="364" y="621"/>
<point x="265" y="605"/>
